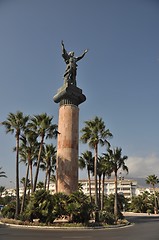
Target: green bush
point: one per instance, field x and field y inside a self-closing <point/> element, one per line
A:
<point x="60" y="202"/>
<point x="9" y="210"/>
<point x="142" y="203"/>
<point x="40" y="207"/>
<point x="79" y="207"/>
<point x="6" y="200"/>
<point x="47" y="207"/>
<point x="107" y="217"/>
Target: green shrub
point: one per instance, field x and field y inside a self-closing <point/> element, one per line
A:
<point x="79" y="207"/>
<point x="40" y="207"/>
<point x="107" y="217"/>
<point x="9" y="210"/>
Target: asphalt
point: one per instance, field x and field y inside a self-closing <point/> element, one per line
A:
<point x="132" y="214"/>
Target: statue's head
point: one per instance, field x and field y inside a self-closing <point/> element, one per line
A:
<point x="71" y="54"/>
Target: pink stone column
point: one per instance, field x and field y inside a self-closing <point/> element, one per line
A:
<point x="67" y="149"/>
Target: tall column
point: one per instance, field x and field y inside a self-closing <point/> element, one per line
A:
<point x="69" y="97"/>
<point x="67" y="150"/>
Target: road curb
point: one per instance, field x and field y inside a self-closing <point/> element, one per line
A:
<point x="65" y="228"/>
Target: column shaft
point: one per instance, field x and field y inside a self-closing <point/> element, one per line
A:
<point x="67" y="149"/>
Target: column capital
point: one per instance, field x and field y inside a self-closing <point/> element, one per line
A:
<point x="69" y="94"/>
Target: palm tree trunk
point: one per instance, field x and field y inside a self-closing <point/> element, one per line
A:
<point x="17" y="178"/>
<point x="31" y="177"/>
<point x="89" y="182"/>
<point x="25" y="189"/>
<point x="95" y="175"/>
<point x="48" y="181"/>
<point x="102" y="198"/>
<point x="38" y="164"/>
<point x="31" y="172"/>
<point x="155" y="208"/>
<point x="46" y="178"/>
<point x="99" y="193"/>
<point x="115" y="199"/>
<point x="96" y="184"/>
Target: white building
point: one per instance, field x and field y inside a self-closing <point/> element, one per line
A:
<point x="127" y="187"/>
<point x="141" y="190"/>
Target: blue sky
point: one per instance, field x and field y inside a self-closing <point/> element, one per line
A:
<point x="119" y="75"/>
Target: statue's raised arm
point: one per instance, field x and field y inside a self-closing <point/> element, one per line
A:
<point x="80" y="57"/>
<point x="64" y="52"/>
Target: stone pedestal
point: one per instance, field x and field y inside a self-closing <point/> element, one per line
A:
<point x="69" y="97"/>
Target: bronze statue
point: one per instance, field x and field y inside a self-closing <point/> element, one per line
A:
<point x="71" y="66"/>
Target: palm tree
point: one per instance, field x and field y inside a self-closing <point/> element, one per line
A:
<point x="16" y="123"/>
<point x="99" y="174"/>
<point x="49" y="160"/>
<point x="29" y="151"/>
<point x="86" y="161"/>
<point x="24" y="181"/>
<point x="95" y="134"/>
<point x="2" y="173"/>
<point x="40" y="185"/>
<point x="43" y="127"/>
<point x="153" y="180"/>
<point x="117" y="162"/>
<point x="26" y="184"/>
<point x="105" y="170"/>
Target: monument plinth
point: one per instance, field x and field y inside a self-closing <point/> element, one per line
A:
<point x="69" y="97"/>
<point x="69" y="94"/>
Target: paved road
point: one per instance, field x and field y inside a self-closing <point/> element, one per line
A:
<point x="146" y="228"/>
